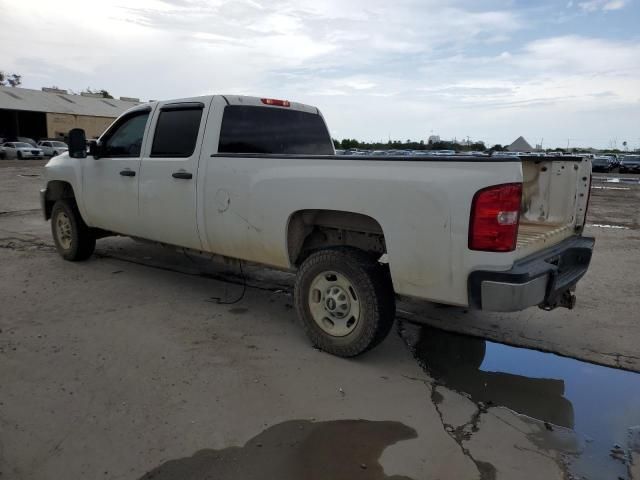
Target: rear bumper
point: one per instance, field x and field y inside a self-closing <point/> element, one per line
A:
<point x="544" y="278"/>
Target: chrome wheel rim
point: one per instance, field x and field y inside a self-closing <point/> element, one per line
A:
<point x="334" y="304"/>
<point x="63" y="230"/>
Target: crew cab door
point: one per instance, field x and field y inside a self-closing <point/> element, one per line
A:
<point x="169" y="172"/>
<point x="110" y="182"/>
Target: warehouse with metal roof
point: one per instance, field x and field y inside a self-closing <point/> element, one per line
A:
<point x="52" y="112"/>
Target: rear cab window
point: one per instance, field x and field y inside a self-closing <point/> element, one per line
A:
<point x="177" y="130"/>
<point x="270" y="130"/>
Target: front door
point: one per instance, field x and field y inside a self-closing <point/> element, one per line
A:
<point x="169" y="172"/>
<point x="110" y="182"/>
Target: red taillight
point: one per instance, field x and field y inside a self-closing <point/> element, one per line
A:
<point x="276" y="102"/>
<point x="495" y="214"/>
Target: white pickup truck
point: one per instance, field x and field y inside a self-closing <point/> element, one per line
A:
<point x="258" y="180"/>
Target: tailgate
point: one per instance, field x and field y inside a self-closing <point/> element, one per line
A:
<point x="555" y="194"/>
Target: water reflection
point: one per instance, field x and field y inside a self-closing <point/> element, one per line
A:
<point x="455" y="361"/>
<point x="599" y="403"/>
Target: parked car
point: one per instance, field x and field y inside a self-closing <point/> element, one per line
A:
<point x="21" y="151"/>
<point x="52" y="148"/>
<point x="444" y="153"/>
<point x="602" y="164"/>
<point x="505" y="154"/>
<point x="258" y="180"/>
<point x="615" y="161"/>
<point x="28" y="140"/>
<point x="630" y="164"/>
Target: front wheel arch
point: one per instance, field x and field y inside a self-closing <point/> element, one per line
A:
<point x="57" y="190"/>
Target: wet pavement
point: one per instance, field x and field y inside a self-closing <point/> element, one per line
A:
<point x="295" y="450"/>
<point x="600" y="404"/>
<point x="170" y="382"/>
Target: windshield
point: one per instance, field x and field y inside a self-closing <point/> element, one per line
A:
<point x="59" y="144"/>
<point x="22" y="145"/>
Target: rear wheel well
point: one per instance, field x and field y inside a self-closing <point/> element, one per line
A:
<point x="312" y="230"/>
<point x="57" y="190"/>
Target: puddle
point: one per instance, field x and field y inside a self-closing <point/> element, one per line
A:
<point x="600" y="404"/>
<point x="295" y="450"/>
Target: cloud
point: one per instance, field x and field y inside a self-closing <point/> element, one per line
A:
<point x="605" y="5"/>
<point x="375" y="68"/>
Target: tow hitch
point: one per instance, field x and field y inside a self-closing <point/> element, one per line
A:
<point x="566" y="300"/>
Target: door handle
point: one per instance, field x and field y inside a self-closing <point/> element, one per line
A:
<point x="127" y="173"/>
<point x="183" y="175"/>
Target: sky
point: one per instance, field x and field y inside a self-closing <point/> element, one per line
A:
<point x="557" y="72"/>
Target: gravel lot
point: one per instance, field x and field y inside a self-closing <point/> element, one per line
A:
<point x="125" y="366"/>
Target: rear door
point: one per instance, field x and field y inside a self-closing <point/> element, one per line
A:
<point x="169" y="172"/>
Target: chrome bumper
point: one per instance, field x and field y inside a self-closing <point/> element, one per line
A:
<point x="546" y="279"/>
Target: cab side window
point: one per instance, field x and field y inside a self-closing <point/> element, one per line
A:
<point x="126" y="138"/>
<point x="177" y="131"/>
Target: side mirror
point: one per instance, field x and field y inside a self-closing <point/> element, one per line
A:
<point x="77" y="143"/>
<point x="94" y="148"/>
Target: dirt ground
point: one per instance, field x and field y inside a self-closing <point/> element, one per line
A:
<point x="126" y="366"/>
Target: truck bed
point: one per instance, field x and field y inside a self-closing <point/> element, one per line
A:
<point x="541" y="233"/>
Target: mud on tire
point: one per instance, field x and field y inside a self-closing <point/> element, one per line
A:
<point x="73" y="238"/>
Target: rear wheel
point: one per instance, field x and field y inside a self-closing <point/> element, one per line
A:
<point x="344" y="300"/>
<point x="73" y="238"/>
<point x="19" y="155"/>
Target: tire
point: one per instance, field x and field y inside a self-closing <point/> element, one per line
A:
<point x="19" y="155"/>
<point x="55" y="154"/>
<point x="330" y="279"/>
<point x="73" y="238"/>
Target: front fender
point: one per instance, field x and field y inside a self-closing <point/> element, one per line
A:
<point x="68" y="170"/>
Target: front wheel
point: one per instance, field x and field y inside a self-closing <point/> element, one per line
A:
<point x="345" y="301"/>
<point x="73" y="238"/>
